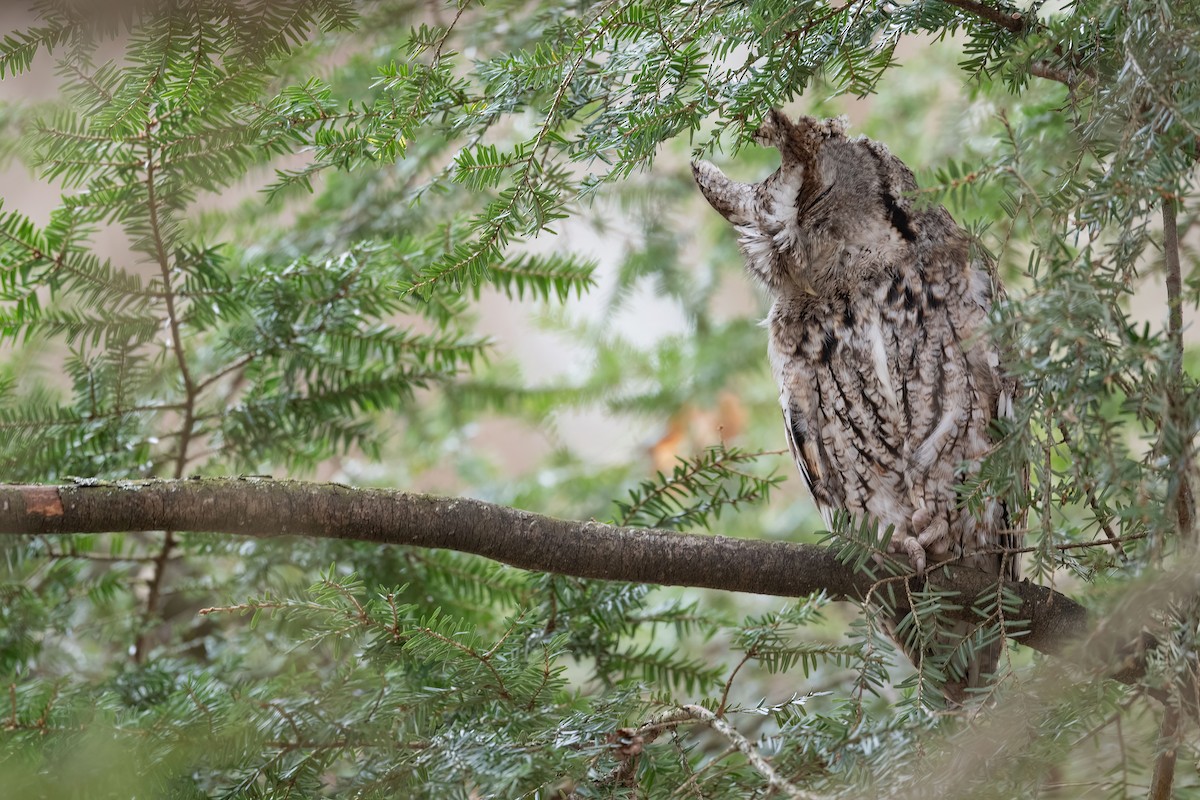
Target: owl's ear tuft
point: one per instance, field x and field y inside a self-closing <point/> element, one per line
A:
<point x="732" y="200"/>
<point x="777" y="128"/>
<point x="837" y="125"/>
<point x="773" y="131"/>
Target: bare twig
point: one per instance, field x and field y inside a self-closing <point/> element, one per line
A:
<point x="751" y="652"/>
<point x="746" y="748"/>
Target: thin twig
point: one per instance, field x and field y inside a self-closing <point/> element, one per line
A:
<point x="1013" y="22"/>
<point x="751" y="652"/>
<point x="1185" y="504"/>
<point x="693" y="781"/>
<point x="1043" y="69"/>
<point x="191" y="391"/>
<point x="632" y="742"/>
<point x="1113" y="538"/>
<point x="107" y="559"/>
<point x="746" y="748"/>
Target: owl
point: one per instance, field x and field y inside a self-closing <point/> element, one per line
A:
<point x="887" y="380"/>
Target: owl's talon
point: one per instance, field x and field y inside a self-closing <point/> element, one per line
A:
<point x="916" y="553"/>
<point x="936" y="537"/>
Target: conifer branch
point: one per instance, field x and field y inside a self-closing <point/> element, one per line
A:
<point x="265" y="508"/>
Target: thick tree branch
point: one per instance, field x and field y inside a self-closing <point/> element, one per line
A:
<point x="261" y="507"/>
<point x="1046" y="620"/>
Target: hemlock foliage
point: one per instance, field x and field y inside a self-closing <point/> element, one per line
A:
<point x="319" y="198"/>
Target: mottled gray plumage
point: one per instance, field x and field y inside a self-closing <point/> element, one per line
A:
<point x="887" y="381"/>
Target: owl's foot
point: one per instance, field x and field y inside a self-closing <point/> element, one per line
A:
<point x="934" y="536"/>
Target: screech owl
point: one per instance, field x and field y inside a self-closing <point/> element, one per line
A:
<point x="876" y="339"/>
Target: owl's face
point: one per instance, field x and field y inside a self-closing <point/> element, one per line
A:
<point x="834" y="211"/>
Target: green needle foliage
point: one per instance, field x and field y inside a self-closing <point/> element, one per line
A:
<point x="317" y="203"/>
<point x="696" y="491"/>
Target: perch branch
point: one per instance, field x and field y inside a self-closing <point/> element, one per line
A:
<point x="263" y="507"/>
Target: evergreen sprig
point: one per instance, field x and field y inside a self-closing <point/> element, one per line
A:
<point x="696" y="491"/>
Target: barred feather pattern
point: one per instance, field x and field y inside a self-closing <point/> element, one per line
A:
<point x="887" y="380"/>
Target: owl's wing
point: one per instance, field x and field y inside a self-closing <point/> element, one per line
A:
<point x="840" y="411"/>
<point x="805" y="454"/>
